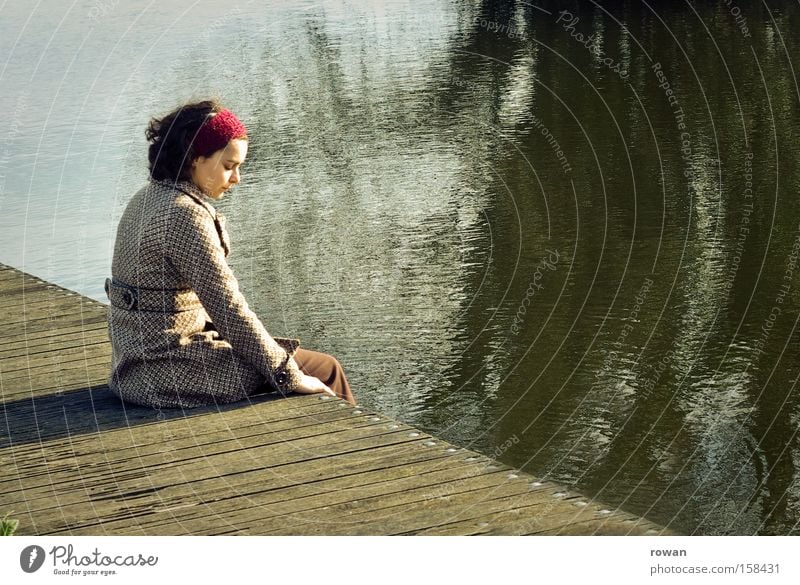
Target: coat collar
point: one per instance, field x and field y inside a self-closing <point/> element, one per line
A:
<point x="191" y="190"/>
<point x="197" y="194"/>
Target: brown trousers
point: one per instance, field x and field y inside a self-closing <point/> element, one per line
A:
<point x="328" y="369"/>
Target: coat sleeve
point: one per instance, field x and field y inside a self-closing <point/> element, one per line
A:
<point x="197" y="254"/>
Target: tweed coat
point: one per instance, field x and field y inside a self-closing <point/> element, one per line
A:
<point x="182" y="334"/>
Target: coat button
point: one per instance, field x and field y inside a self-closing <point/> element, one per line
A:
<point x="128" y="299"/>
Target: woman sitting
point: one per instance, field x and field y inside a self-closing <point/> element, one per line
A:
<point x="182" y="334"/>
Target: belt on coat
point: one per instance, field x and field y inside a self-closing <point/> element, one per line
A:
<point x="157" y="300"/>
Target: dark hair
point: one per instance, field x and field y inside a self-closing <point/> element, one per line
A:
<point x="171" y="140"/>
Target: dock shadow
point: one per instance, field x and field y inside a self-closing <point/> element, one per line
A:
<point x="89" y="410"/>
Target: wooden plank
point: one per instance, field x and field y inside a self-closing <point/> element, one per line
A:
<point x="21" y="293"/>
<point x="268" y="512"/>
<point x="55" y="382"/>
<point x="44" y="332"/>
<point x="141" y="431"/>
<point x="43" y="370"/>
<point x="78" y="372"/>
<point x="57" y="342"/>
<point x="555" y="515"/>
<point x="432" y="481"/>
<point x="49" y="327"/>
<point x="100" y="405"/>
<point x="31" y="297"/>
<point x="408" y="510"/>
<point x="8" y="276"/>
<point x="172" y="512"/>
<point x="80" y="461"/>
<point x="221" y="490"/>
<point x="200" y="463"/>
<point x="79" y="414"/>
<point x="129" y="447"/>
<point x="39" y="311"/>
<point x="409" y="503"/>
<point x="14" y="285"/>
<point x="365" y="442"/>
<point x="27" y="365"/>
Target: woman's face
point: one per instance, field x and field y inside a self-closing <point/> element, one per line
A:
<point x="219" y="171"/>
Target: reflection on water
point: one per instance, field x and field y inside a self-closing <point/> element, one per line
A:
<point x="410" y="166"/>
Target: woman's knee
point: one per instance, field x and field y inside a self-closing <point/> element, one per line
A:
<point x="318" y="364"/>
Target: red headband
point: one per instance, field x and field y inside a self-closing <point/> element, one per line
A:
<point x="217" y="132"/>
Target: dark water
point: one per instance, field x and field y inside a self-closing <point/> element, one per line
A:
<point x="565" y="239"/>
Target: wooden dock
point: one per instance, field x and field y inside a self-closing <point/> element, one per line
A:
<point x="78" y="461"/>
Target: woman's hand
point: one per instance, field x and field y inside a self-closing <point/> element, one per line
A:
<point x="312" y="385"/>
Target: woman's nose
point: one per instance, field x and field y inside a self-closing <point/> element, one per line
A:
<point x="235" y="176"/>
